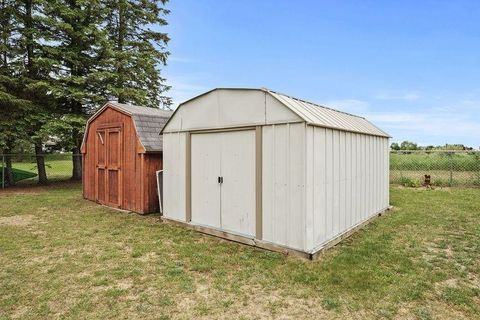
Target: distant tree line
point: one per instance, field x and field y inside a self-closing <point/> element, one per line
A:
<point x="408" y="145"/>
<point x="60" y="59"/>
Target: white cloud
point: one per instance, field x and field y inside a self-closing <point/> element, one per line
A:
<point x="455" y="122"/>
<point x="184" y="88"/>
<point x="426" y="123"/>
<point x="406" y="96"/>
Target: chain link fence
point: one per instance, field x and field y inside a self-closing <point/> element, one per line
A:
<point x="408" y="168"/>
<point x="21" y="169"/>
<point x="445" y="168"/>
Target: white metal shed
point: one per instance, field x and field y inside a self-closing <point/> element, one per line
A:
<point x="267" y="169"/>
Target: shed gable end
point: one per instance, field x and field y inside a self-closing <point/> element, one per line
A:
<point x="104" y="117"/>
<point x="229" y="108"/>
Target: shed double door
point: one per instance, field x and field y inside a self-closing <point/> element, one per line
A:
<point x="108" y="166"/>
<point x="223" y="180"/>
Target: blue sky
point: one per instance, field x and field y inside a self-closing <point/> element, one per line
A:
<point x="411" y="67"/>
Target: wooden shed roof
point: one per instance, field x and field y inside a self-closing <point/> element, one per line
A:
<point x="148" y="123"/>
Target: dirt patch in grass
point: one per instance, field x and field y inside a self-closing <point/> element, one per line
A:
<point x="17" y="221"/>
<point x="422" y="188"/>
<point x="474" y="280"/>
<point x="207" y="302"/>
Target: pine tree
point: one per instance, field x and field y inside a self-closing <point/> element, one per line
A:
<point x="61" y="59"/>
<point x="10" y="105"/>
<point x="76" y="47"/>
<point x="24" y="90"/>
<point x="136" y="52"/>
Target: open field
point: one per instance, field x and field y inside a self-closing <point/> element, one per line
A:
<point x="435" y="160"/>
<point x="445" y="168"/>
<point x="62" y="256"/>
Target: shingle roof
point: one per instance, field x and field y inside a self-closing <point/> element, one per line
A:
<point x="148" y="123"/>
<point x="326" y="117"/>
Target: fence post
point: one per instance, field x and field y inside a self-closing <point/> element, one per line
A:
<point x="450" y="164"/>
<point x="3" y="171"/>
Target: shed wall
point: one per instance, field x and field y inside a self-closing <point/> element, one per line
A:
<point x="317" y="183"/>
<point x="174" y="172"/>
<point x="284" y="184"/>
<point x="152" y="163"/>
<point x="283" y="176"/>
<point x="346" y="182"/>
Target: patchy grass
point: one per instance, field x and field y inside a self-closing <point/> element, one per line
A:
<point x="64" y="257"/>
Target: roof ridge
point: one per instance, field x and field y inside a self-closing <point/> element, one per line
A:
<point x="312" y="103"/>
<point x="133" y="109"/>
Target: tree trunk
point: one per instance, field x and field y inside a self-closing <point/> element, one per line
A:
<point x="77" y="164"/>
<point x="9" y="178"/>
<point x="42" y="173"/>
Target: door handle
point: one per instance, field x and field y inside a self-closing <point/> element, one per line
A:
<point x="220" y="180"/>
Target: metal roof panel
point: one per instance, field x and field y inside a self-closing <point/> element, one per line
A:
<point x="318" y="115"/>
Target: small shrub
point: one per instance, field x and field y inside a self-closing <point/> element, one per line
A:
<point x="409" y="182"/>
<point x="441" y="182"/>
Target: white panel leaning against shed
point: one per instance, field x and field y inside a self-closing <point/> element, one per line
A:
<point x="319" y="174"/>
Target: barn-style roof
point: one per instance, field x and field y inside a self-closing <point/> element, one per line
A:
<point x="148" y="123"/>
<point x="314" y="114"/>
<point x="322" y="116"/>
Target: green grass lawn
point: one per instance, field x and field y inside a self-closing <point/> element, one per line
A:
<point x="58" y="166"/>
<point x="57" y="169"/>
<point x="64" y="257"/>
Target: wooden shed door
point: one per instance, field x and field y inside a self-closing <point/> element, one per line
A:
<point x="108" y="167"/>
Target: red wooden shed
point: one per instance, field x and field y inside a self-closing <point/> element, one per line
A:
<point x="121" y="151"/>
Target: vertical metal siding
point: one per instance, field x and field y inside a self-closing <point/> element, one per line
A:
<point x="347" y="181"/>
<point x="386" y="180"/>
<point x="329" y="187"/>
<point x="174" y="175"/>
<point x="309" y="188"/>
<point x="342" y="183"/>
<point x="336" y="184"/>
<point x="284" y="184"/>
<point x="319" y="190"/>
